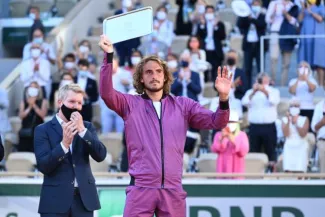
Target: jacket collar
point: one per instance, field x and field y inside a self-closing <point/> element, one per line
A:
<point x="145" y="96"/>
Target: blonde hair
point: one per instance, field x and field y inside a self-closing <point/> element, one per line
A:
<point x="137" y="76"/>
<point x="66" y="88"/>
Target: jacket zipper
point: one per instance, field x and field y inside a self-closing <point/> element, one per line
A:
<point x="161" y="144"/>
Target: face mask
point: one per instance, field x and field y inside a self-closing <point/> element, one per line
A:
<point x="231" y="61"/>
<point x="32" y="91"/>
<point x="126" y="3"/>
<point x="135" y="60"/>
<point x="65" y="82"/>
<point x="232" y="127"/>
<point x="209" y="16"/>
<point x="303" y="70"/>
<point x="184" y="64"/>
<point x="161" y="15"/>
<point x="35" y="52"/>
<point x="256" y="9"/>
<point x="83" y="73"/>
<point x="69" y="65"/>
<point x="38" y="40"/>
<point x="294" y="111"/>
<point x="83" y="49"/>
<point x="67" y="111"/>
<point x="172" y="64"/>
<point x="201" y="9"/>
<point x="32" y="16"/>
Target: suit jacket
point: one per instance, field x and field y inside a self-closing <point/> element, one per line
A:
<point x="59" y="173"/>
<point x="241" y="89"/>
<point x="193" y="88"/>
<point x="2" y="151"/>
<point x="219" y="34"/>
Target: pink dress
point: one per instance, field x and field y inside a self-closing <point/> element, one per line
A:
<point x="231" y="158"/>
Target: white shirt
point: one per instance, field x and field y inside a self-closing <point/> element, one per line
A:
<point x="198" y="61"/>
<point x="262" y="109"/>
<point x="82" y="134"/>
<point x="305" y="97"/>
<point x="234" y="104"/>
<point x="42" y="76"/>
<point x="252" y="36"/>
<point x="165" y="32"/>
<point x="82" y="82"/>
<point x="318" y="115"/>
<point x="209" y="41"/>
<point x="5" y="125"/>
<point x="46" y="47"/>
<point x="118" y="77"/>
<point x="157" y="106"/>
<point x="278" y="18"/>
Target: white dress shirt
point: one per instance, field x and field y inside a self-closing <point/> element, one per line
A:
<point x="165" y="32"/>
<point x="42" y="76"/>
<point x="46" y="47"/>
<point x="82" y="134"/>
<point x="318" y="115"/>
<point x="209" y="41"/>
<point x="262" y="109"/>
<point x="305" y="97"/>
<point x="82" y="82"/>
<point x="157" y="106"/>
<point x="277" y="20"/>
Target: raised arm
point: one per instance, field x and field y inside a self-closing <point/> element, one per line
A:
<point x="112" y="98"/>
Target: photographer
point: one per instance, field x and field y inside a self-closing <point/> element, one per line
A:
<point x="261" y="102"/>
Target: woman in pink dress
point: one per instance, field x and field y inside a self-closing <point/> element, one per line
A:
<point x="231" y="145"/>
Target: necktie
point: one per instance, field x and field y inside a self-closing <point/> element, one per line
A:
<point x="70" y="156"/>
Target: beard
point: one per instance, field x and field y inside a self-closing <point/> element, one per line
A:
<point x="153" y="89"/>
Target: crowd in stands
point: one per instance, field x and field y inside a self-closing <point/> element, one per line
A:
<point x="254" y="97"/>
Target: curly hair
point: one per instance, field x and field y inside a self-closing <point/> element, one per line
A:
<point x="137" y="76"/>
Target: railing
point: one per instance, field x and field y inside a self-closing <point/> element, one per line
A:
<point x="267" y="37"/>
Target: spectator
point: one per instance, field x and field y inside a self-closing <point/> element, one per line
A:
<point x="84" y="52"/>
<point x="34" y="14"/>
<point x="89" y="86"/>
<point x="239" y="83"/>
<point x="183" y="19"/>
<point x="187" y="82"/>
<point x="124" y="48"/>
<point x="121" y="82"/>
<point x="231" y="145"/>
<point x="47" y="51"/>
<point x="68" y="64"/>
<point x="318" y="126"/>
<point x="172" y="63"/>
<point x="295" y="151"/>
<point x="262" y="101"/>
<point x="198" y="15"/>
<point x="32" y="112"/>
<point x="66" y="78"/>
<point x="274" y="17"/>
<point x="212" y="30"/>
<point x="136" y="57"/>
<point x="252" y="27"/>
<point x="303" y="88"/>
<point x="311" y="49"/>
<point x="152" y="46"/>
<point x="36" y="69"/>
<point x="5" y="125"/>
<point x="164" y="27"/>
<point x="289" y="26"/>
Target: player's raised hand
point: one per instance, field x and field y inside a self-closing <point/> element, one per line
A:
<point x="105" y="44"/>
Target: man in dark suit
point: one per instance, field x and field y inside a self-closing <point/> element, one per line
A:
<point x="62" y="149"/>
<point x="89" y="86"/>
<point x="2" y="151"/>
<point x="239" y="84"/>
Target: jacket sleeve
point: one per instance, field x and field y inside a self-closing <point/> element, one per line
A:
<point x="47" y="159"/>
<point x="220" y="32"/>
<point x="202" y="118"/>
<point x="96" y="148"/>
<point x="114" y="100"/>
<point x="219" y="146"/>
<point x="195" y="85"/>
<point x="243" y="87"/>
<point x="93" y="94"/>
<point x="242" y="146"/>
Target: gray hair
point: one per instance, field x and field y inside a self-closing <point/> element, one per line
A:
<point x="66" y="88"/>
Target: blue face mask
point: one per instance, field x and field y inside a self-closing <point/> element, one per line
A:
<point x="83" y="73"/>
<point x="184" y="64"/>
<point x="38" y="40"/>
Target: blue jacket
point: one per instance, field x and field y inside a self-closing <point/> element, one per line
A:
<point x="58" y="185"/>
<point x="2" y="151"/>
<point x="193" y="88"/>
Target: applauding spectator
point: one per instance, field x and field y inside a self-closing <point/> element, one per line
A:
<point x="164" y="27"/>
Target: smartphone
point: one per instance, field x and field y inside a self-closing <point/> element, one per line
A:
<point x="259" y="80"/>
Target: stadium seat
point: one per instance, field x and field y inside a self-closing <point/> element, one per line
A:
<point x="100" y="166"/>
<point x="21" y="162"/>
<point x="10" y="139"/>
<point x="179" y="44"/>
<point x="64" y="6"/>
<point x="15" y="122"/>
<point x="18" y="8"/>
<point x="113" y="144"/>
<point x="207" y="163"/>
<point x="209" y="90"/>
<point x="256" y="162"/>
<point x="44" y="5"/>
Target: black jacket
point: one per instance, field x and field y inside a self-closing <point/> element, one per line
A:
<point x="241" y="89"/>
<point x="183" y="28"/>
<point x="2" y="151"/>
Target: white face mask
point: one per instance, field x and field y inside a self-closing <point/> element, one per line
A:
<point x="32" y="16"/>
<point x="161" y="15"/>
<point x="201" y="9"/>
<point x="35" y="52"/>
<point x="256" y="9"/>
<point x="32" y="91"/>
<point x="303" y="70"/>
<point x="65" y="82"/>
<point x="172" y="64"/>
<point x="294" y="111"/>
<point x="209" y="16"/>
<point x="135" y="60"/>
<point x="126" y="3"/>
<point x="83" y="49"/>
<point x="232" y="127"/>
<point x="69" y="65"/>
